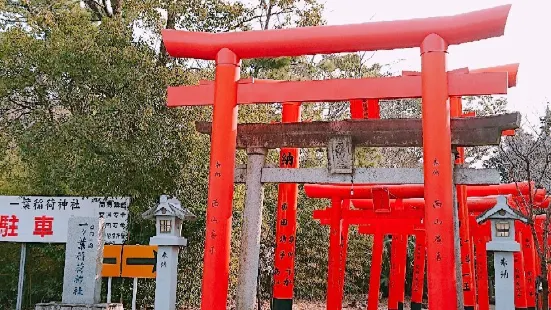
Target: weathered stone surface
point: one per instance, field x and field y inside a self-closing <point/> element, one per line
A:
<point x="469" y="131"/>
<point x="340" y="155"/>
<point x="83" y="261"/>
<point x="464" y="176"/>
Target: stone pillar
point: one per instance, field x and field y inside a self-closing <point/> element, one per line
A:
<point x="167" y="277"/>
<point x="504" y="275"/>
<point x="83" y="261"/>
<point x="250" y="235"/>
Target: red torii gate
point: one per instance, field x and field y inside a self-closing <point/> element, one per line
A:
<point x="375" y="221"/>
<point x="287" y="198"/>
<point x="339" y="217"/>
<point x="432" y="35"/>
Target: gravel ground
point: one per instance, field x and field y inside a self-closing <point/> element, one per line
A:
<point x="307" y="305"/>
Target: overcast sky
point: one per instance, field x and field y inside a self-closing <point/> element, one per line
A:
<point x="527" y="41"/>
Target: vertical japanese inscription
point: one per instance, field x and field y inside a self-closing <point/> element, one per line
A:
<point x="83" y="260"/>
<point x="285" y="230"/>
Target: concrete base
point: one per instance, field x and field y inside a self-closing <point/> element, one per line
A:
<point x="62" y="306"/>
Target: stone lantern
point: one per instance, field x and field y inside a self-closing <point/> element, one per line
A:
<point x="169" y="216"/>
<point x="503" y="244"/>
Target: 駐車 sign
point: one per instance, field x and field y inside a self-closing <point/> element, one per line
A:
<point x="45" y="219"/>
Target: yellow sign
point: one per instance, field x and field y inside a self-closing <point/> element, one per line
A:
<point x="139" y="261"/>
<point x="129" y="261"/>
<point x="111" y="261"/>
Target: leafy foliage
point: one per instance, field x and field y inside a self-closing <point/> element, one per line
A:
<point x="82" y="112"/>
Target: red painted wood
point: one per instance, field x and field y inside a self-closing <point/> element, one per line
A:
<point x="462" y="28"/>
<point x="220" y="189"/>
<point x="375" y="273"/>
<point x="340" y="89"/>
<point x="334" y="255"/>
<point x="437" y="164"/>
<point x="286" y="217"/>
<point x="419" y="259"/>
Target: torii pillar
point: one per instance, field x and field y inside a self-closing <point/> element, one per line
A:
<point x="286" y="221"/>
<point x="221" y="177"/>
<point x="437" y="164"/>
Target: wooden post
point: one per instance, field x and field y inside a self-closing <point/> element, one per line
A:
<point x="519" y="270"/>
<point x="439" y="213"/>
<point x="286" y="222"/>
<point x="394" y="277"/>
<point x="334" y="255"/>
<point x="469" y="291"/>
<point x="221" y="177"/>
<point x="344" y="251"/>
<point x="528" y="254"/>
<point x="418" y="270"/>
<point x="402" y="264"/>
<point x="480" y="237"/>
<point x="375" y="273"/>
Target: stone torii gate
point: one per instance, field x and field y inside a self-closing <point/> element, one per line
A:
<point x="435" y="86"/>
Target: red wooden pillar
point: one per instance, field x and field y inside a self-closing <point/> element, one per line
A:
<point x="375" y="273"/>
<point x="381" y="201"/>
<point x="397" y="277"/>
<point x="334" y="255"/>
<point x="402" y="264"/>
<point x="480" y="239"/>
<point x="520" y="280"/>
<point x="394" y="276"/>
<point x="528" y="253"/>
<point x="418" y="270"/>
<point x="373" y="109"/>
<point x="343" y="251"/>
<point x="437" y="163"/>
<point x="469" y="292"/>
<point x="357" y="109"/>
<point x="286" y="221"/>
<point x="221" y="177"/>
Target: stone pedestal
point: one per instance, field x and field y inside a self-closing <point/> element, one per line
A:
<point x="63" y="306"/>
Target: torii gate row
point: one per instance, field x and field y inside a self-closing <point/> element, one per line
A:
<point x="524" y="261"/>
<point x="341" y="219"/>
<point x="256" y="173"/>
<point x="432" y="35"/>
<point x="283" y="281"/>
<point x="406" y="221"/>
<point x="287" y="192"/>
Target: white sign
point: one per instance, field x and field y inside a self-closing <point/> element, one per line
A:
<point x="45" y="219"/>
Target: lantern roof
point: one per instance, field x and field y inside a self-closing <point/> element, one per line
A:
<point x="502" y="211"/>
<point x="169" y="207"/>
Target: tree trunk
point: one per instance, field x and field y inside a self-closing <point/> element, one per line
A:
<point x="170" y="24"/>
<point x="545" y="285"/>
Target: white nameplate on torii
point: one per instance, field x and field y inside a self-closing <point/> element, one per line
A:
<point x="45" y="219"/>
